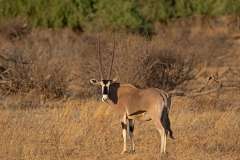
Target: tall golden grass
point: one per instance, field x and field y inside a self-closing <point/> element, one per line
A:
<point x="91" y="130"/>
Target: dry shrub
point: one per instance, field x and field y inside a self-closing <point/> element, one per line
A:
<point x="147" y="63"/>
<point x="166" y="70"/>
<point x="138" y="64"/>
<point x="26" y="72"/>
<point x="14" y="29"/>
<point x="61" y="62"/>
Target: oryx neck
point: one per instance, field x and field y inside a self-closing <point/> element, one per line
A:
<point x="113" y="93"/>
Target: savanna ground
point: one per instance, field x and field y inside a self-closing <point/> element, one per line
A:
<point x="37" y="123"/>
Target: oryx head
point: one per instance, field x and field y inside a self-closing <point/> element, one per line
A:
<point x="105" y="83"/>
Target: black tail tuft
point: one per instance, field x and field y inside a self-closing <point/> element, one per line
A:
<point x="171" y="134"/>
<point x="166" y="123"/>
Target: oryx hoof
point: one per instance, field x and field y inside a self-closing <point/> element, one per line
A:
<point x="124" y="152"/>
<point x="164" y="155"/>
<point x="132" y="152"/>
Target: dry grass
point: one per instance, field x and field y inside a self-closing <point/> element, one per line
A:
<point x="91" y="130"/>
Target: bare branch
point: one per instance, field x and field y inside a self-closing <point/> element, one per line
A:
<point x="13" y="60"/>
<point x="3" y="82"/>
<point x="5" y="58"/>
<point x="199" y="92"/>
<point x="202" y="93"/>
<point x="226" y="85"/>
<point x="193" y="94"/>
<point x="203" y="69"/>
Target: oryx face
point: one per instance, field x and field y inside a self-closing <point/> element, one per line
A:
<point x="105" y="85"/>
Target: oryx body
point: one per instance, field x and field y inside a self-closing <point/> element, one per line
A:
<point x="135" y="104"/>
<point x="138" y="104"/>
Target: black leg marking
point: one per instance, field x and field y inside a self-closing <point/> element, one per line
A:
<point x="124" y="126"/>
<point x="131" y="125"/>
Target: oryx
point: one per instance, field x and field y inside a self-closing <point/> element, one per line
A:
<point x="135" y="104"/>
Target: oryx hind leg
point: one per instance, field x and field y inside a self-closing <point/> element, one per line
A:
<point x="131" y="130"/>
<point x="124" y="124"/>
<point x="163" y="135"/>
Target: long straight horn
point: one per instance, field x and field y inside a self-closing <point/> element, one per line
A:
<point x="99" y="58"/>
<point x="113" y="54"/>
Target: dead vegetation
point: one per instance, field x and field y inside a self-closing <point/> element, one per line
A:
<point x="60" y="63"/>
<point x="24" y="72"/>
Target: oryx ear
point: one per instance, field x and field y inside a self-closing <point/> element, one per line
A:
<point x="94" y="82"/>
<point x="115" y="79"/>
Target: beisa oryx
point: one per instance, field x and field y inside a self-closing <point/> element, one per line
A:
<point x="135" y="104"/>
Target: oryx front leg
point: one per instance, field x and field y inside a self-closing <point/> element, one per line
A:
<point x="124" y="133"/>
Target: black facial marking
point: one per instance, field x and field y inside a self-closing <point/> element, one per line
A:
<point x="105" y="90"/>
<point x="105" y="87"/>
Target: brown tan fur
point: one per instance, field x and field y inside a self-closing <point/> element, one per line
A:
<point x="138" y="104"/>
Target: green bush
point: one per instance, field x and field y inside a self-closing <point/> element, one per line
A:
<point x="130" y="15"/>
<point x="54" y="13"/>
<point x="118" y="14"/>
